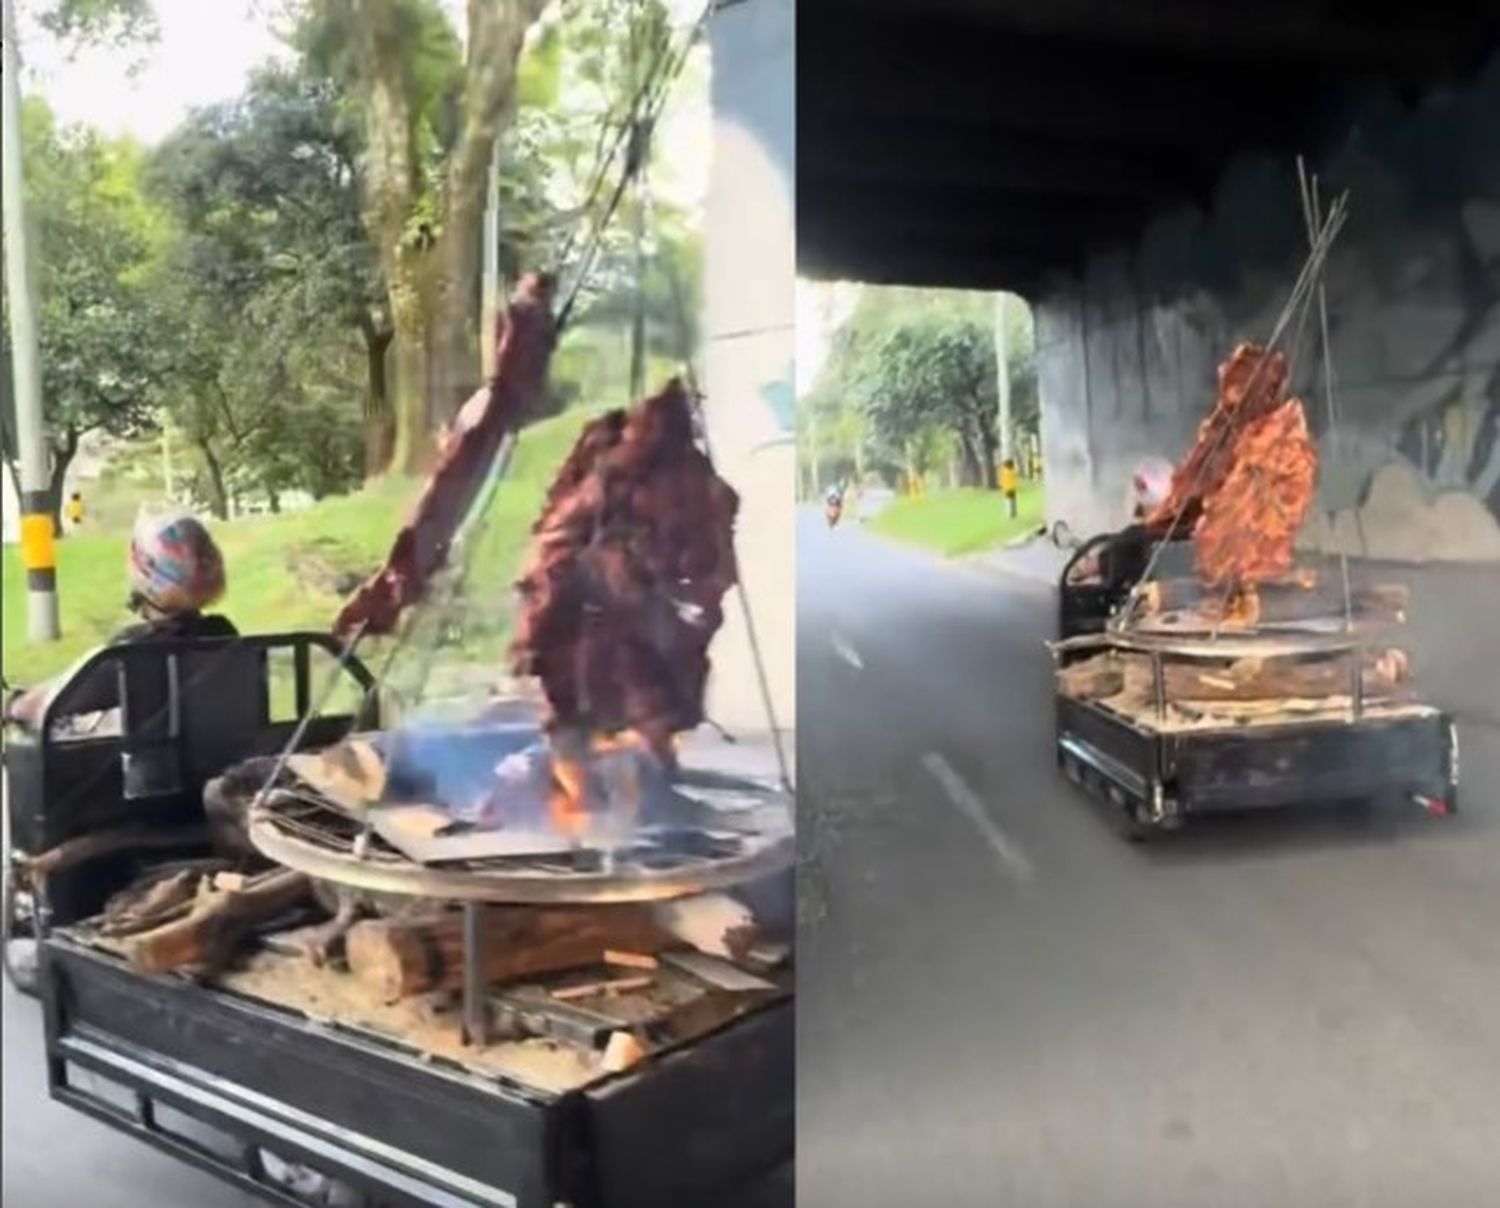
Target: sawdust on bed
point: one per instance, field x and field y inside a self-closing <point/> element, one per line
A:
<point x="1136" y="702"/>
<point x="330" y="996"/>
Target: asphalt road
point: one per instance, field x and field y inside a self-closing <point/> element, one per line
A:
<point x="1002" y="1003"/>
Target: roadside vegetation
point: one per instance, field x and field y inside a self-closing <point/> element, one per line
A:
<point x="291" y="571"/>
<point x="955" y="523"/>
<point x="908" y="401"/>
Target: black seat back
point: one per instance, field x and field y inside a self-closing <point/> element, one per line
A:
<point x="187" y="710"/>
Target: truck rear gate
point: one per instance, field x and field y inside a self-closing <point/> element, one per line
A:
<point x="1173" y="774"/>
<point x="139" y="1052"/>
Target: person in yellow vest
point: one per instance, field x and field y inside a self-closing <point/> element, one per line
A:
<point x="1009" y="485"/>
<point x="74" y="511"/>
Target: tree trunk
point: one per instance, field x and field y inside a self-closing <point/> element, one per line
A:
<point x="453" y="340"/>
<point x="434" y="301"/>
<point x="411" y="442"/>
<point x="432" y="276"/>
<point x="62" y="457"/>
<point x="973" y="472"/>
<point x="380" y="427"/>
<point x="218" y="502"/>
<point x="987" y="451"/>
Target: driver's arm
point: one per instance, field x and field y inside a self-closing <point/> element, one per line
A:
<point x="97" y="694"/>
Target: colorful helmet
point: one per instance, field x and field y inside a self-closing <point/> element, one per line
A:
<point x="175" y="567"/>
<point x="1151" y="483"/>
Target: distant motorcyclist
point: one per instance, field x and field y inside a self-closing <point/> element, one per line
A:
<point x="833" y="506"/>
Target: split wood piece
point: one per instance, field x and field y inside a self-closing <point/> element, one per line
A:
<point x="630" y="960"/>
<point x="350" y="775"/>
<point x="1386" y="675"/>
<point x="150" y="902"/>
<point x="396" y="959"/>
<point x="1097" y="678"/>
<point x="1383" y="676"/>
<point x="218" y="920"/>
<point x="623" y="1051"/>
<point x="711" y="922"/>
<point x="1280" y="603"/>
<point x="613" y="985"/>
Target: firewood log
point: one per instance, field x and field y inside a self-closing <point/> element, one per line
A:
<point x="1092" y="679"/>
<point x="1384" y="674"/>
<point x="396" y="959"/>
<point x="207" y="936"/>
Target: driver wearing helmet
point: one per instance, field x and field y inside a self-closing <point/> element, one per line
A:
<point x="175" y="571"/>
<point x="833" y="505"/>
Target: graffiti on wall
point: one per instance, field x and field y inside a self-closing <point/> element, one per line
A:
<point x="1417" y="473"/>
<point x="1411" y="468"/>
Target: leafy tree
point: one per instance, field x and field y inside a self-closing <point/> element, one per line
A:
<point x="919" y="367"/>
<point x="934" y="370"/>
<point x="266" y="409"/>
<point x="431" y="112"/>
<point x="116" y="22"/>
<point x="266" y="193"/>
<point x="95" y="237"/>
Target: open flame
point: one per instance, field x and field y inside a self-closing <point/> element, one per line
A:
<point x="573" y="795"/>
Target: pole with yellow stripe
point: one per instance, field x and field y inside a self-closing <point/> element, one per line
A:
<point x="38" y="546"/>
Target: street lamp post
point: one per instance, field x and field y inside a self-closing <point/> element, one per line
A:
<point x="38" y="538"/>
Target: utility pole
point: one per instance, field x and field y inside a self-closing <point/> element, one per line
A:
<point x="489" y="298"/>
<point x="38" y="537"/>
<point x="1002" y="380"/>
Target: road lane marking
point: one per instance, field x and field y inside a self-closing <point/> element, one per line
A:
<point x="972" y="808"/>
<point x="845" y="651"/>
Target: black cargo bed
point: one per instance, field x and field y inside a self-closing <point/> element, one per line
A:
<point x="687" y="1127"/>
<point x="1160" y="777"/>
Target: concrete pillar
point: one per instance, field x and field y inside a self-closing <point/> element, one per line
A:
<point x="750" y="273"/>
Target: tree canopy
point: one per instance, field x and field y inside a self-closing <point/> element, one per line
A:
<point x="290" y="280"/>
<point x="94" y="239"/>
<point x="911" y="381"/>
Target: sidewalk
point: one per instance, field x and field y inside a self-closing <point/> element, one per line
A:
<point x="1037" y="560"/>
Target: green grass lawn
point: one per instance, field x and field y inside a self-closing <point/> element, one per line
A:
<point x="957" y="522"/>
<point x="283" y="569"/>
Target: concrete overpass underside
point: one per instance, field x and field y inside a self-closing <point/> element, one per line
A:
<point x="1131" y="169"/>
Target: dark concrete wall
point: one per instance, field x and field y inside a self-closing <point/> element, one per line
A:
<point x="1127" y="354"/>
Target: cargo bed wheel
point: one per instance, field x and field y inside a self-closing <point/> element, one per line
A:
<point x="1135" y="827"/>
<point x="20" y="973"/>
